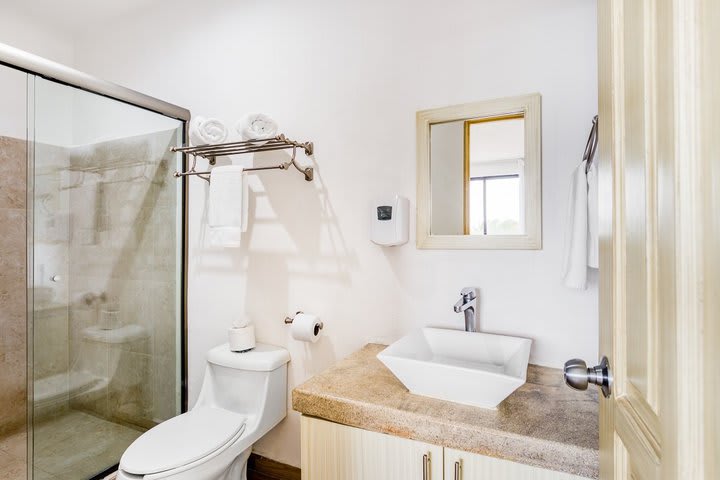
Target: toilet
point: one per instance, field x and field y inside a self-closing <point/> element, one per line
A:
<point x="243" y="396"/>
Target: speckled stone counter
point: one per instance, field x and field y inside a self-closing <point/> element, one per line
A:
<point x="543" y="423"/>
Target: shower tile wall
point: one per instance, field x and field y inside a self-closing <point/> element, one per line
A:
<point x="13" y="366"/>
<point x="123" y="253"/>
<point x="50" y="299"/>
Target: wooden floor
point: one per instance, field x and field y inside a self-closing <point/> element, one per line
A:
<point x="261" y="468"/>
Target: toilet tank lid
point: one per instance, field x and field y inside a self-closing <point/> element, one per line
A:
<point x="262" y="358"/>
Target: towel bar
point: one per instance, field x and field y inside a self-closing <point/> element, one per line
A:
<point x="281" y="142"/>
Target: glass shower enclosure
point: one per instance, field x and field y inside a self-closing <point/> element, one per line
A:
<point x="104" y="278"/>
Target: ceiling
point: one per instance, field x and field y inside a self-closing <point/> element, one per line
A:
<point x="71" y="15"/>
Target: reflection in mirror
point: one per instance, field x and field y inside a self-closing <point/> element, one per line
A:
<point x="477" y="168"/>
<point x="494" y="158"/>
<point x="479" y="175"/>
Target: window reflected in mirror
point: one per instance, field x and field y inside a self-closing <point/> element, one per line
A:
<point x="494" y="158"/>
<point x="477" y="176"/>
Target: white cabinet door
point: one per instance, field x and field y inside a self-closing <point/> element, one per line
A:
<point x="337" y="452"/>
<point x="470" y="466"/>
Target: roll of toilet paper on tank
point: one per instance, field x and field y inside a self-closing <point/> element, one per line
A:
<point x="305" y="327"/>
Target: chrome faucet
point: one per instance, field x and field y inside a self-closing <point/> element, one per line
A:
<point x="468" y="305"/>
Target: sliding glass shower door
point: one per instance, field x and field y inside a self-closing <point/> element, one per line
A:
<point x="13" y="274"/>
<point x="106" y="270"/>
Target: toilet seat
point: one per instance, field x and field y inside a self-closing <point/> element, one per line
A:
<point x="182" y="440"/>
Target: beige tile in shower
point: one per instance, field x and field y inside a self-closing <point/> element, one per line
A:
<point x="12" y="256"/>
<point x="15" y="444"/>
<point x="50" y="343"/>
<point x="13" y="395"/>
<point x="13" y="158"/>
<point x="130" y="393"/>
<point x="42" y="475"/>
<point x="78" y="445"/>
<point x="165" y="401"/>
<point x="13" y="328"/>
<point x="12" y="468"/>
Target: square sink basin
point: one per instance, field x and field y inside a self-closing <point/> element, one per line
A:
<point x="478" y="369"/>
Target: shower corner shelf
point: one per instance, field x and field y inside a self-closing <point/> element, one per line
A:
<point x="280" y="142"/>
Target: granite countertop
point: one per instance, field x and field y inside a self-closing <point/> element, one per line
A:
<point x="543" y="423"/>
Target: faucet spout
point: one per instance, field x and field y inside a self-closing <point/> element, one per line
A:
<point x="460" y="306"/>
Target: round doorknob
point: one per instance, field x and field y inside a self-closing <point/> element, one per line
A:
<point x="578" y="376"/>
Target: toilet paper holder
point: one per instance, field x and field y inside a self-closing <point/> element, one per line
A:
<point x="289" y="320"/>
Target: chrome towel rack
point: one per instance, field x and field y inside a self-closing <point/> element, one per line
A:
<point x="211" y="152"/>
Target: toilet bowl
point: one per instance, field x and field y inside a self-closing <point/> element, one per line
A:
<point x="243" y="396"/>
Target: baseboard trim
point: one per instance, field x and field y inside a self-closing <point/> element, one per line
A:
<point x="261" y="468"/>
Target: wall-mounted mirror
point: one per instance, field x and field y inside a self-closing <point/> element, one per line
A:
<point x="479" y="175"/>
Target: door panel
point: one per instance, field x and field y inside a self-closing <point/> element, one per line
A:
<point x="627" y="159"/>
<point x="658" y="104"/>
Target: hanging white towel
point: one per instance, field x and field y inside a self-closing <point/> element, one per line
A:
<point x="593" y="243"/>
<point x="227" y="211"/>
<point x="576" y="240"/>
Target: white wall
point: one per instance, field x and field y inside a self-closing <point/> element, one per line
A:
<point x="26" y="33"/>
<point x="350" y="77"/>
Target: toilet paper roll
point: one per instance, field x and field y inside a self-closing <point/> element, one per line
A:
<point x="306" y="328"/>
<point x="241" y="339"/>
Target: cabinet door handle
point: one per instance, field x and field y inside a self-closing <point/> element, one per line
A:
<point x="458" y="470"/>
<point x="426" y="466"/>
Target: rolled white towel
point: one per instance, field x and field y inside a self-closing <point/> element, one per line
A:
<point x="204" y="131"/>
<point x="257" y="126"/>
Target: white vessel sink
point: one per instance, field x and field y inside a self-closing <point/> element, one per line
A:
<point x="478" y="369"/>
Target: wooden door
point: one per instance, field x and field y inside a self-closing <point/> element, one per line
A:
<point x="660" y="237"/>
<point x="337" y="452"/>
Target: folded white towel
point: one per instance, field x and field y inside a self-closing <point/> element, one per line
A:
<point x="576" y="240"/>
<point x="257" y="126"/>
<point x="227" y="211"/>
<point x="204" y="131"/>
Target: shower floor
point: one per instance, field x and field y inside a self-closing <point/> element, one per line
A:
<point x="71" y="446"/>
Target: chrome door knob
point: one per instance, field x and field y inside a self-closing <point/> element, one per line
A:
<point x="578" y="376"/>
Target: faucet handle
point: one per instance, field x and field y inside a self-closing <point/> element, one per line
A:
<point x="469" y="293"/>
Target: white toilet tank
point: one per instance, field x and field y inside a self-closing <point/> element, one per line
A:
<point x="252" y="383"/>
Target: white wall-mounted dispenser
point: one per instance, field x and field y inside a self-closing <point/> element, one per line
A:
<point x="389" y="223"/>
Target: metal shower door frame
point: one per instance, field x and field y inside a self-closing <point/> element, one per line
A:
<point x="36" y="66"/>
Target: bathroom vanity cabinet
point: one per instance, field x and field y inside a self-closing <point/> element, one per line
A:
<point x="331" y="451"/>
<point x="361" y="423"/>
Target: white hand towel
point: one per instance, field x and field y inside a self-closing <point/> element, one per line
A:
<point x="205" y="131"/>
<point x="227" y="212"/>
<point x="257" y="126"/>
<point x="593" y="243"/>
<point x="576" y="239"/>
